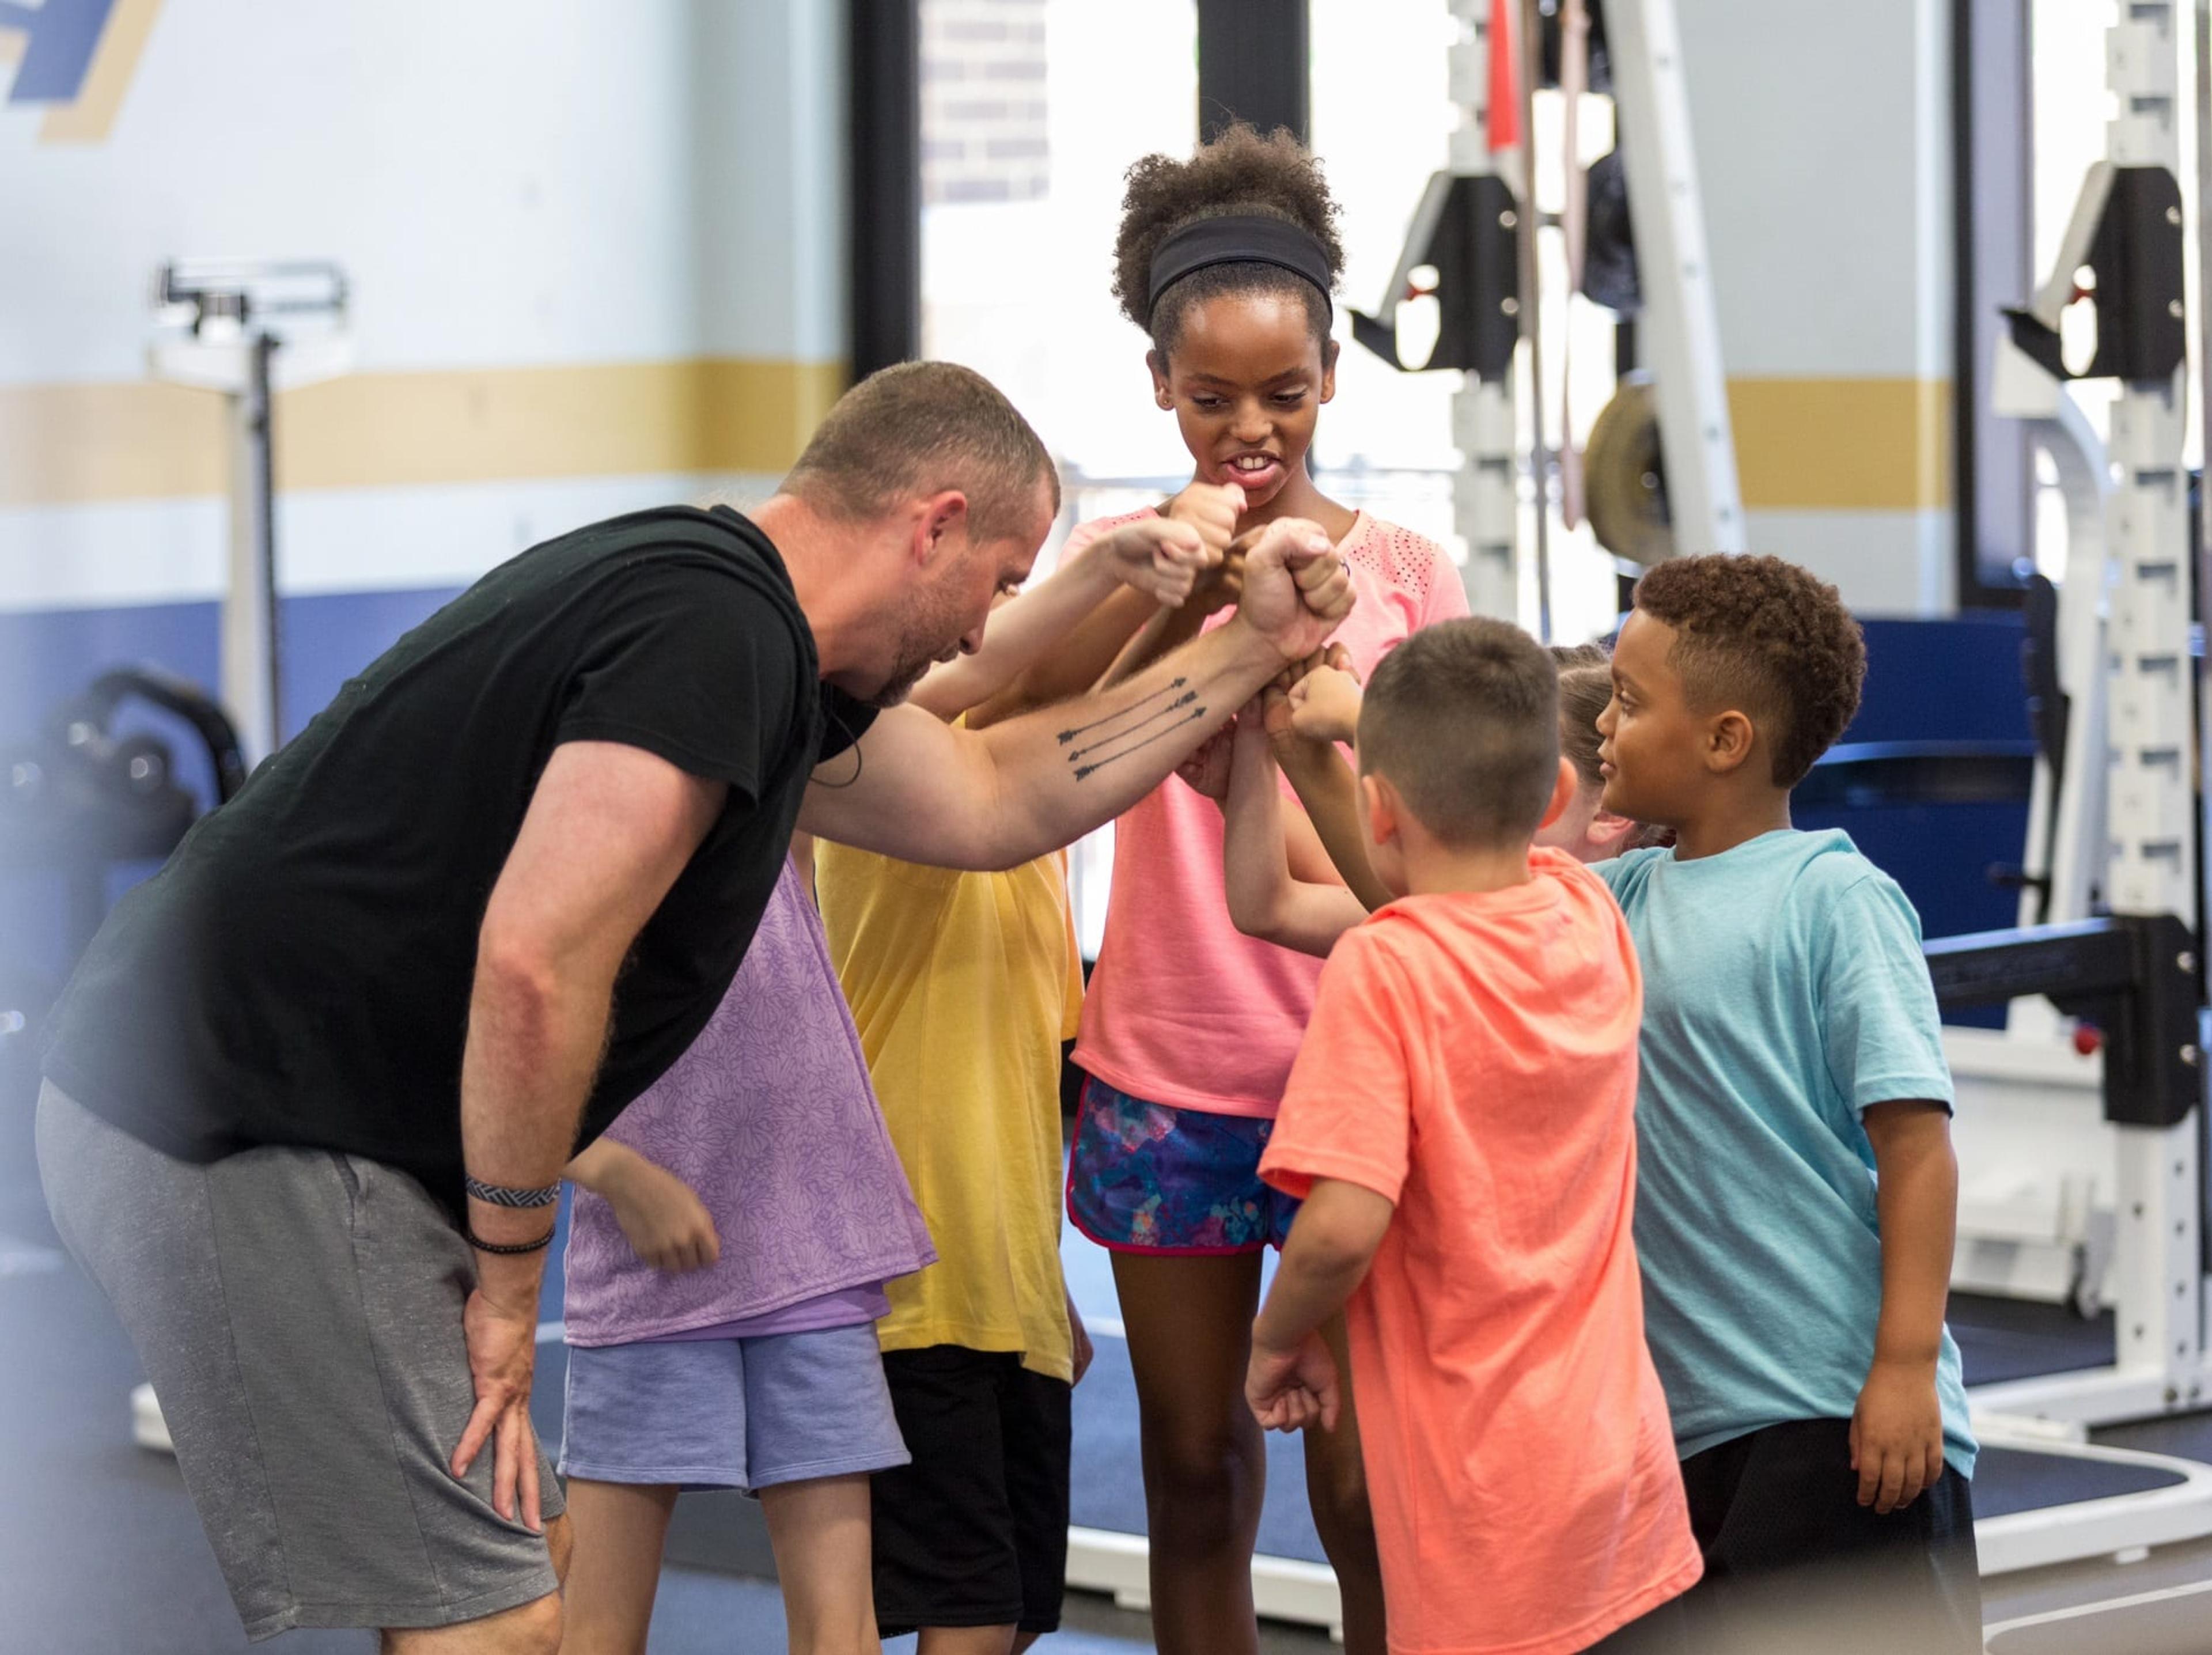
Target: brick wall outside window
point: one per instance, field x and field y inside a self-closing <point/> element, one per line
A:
<point x="983" y="100"/>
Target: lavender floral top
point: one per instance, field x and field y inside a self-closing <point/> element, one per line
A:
<point x="770" y="1117"/>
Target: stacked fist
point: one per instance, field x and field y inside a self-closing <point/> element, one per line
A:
<point x="1314" y="700"/>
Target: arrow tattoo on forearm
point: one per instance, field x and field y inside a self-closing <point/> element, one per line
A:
<point x="1183" y="700"/>
<point x="1191" y="717"/>
<point x="1168" y="689"/>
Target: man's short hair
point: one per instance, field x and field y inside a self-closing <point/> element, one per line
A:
<point x="1768" y="639"/>
<point x="1463" y="720"/>
<point x="908" y="431"/>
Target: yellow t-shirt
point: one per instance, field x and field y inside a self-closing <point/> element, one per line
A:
<point x="963" y="985"/>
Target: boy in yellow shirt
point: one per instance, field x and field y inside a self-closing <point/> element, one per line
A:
<point x="963" y="987"/>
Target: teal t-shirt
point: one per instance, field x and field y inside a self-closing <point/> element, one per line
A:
<point x="1784" y="991"/>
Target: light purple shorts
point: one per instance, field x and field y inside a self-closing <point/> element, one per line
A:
<point x="731" y="1412"/>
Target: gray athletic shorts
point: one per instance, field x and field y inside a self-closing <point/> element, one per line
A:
<point x="299" y="1312"/>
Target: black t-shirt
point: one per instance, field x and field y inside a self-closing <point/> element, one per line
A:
<point x="300" y="972"/>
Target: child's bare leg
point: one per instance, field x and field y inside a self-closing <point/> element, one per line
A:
<point x="966" y="1641"/>
<point x="1336" y="1488"/>
<point x="619" y="1528"/>
<point x="820" y="1531"/>
<point x="1189" y="1323"/>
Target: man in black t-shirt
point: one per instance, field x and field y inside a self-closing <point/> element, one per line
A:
<point x="311" y="1089"/>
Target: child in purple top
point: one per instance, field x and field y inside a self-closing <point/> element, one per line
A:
<point x="734" y="1228"/>
<point x="732" y="1235"/>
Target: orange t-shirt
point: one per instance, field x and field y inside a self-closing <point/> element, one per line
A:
<point x="1473" y="1058"/>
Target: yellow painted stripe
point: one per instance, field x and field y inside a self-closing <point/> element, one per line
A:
<point x="76" y="444"/>
<point x="66" y="444"/>
<point x="1842" y="444"/>
<point x="1802" y="444"/>
<point x="114" y="61"/>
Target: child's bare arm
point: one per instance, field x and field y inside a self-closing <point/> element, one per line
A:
<point x="1081" y="1351"/>
<point x="1264" y="900"/>
<point x="1158" y="558"/>
<point x="1088" y="655"/>
<point x="1219" y="588"/>
<point x="1165" y="631"/>
<point x="1084" y="654"/>
<point x="663" y="1219"/>
<point x="1897" y="1431"/>
<point x="1330" y="792"/>
<point x="1207" y="771"/>
<point x="1292" y="1381"/>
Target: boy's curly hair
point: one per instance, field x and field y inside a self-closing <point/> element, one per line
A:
<point x="1239" y="172"/>
<point x="1769" y="638"/>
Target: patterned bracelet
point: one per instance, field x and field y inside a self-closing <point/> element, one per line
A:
<point x="504" y="1248"/>
<point x="500" y="1195"/>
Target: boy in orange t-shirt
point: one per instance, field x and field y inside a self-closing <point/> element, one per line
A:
<point x="1461" y="1123"/>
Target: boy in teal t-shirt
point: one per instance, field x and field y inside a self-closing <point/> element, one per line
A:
<point x="1796" y="1192"/>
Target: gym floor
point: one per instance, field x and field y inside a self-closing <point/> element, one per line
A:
<point x="101" y="1551"/>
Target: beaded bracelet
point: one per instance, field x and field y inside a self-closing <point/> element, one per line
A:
<point x="506" y="1248"/>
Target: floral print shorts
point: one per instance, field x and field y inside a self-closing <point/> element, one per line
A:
<point x="1147" y="1179"/>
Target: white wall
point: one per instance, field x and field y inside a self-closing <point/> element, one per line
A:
<point x="1824" y="152"/>
<point x="509" y="184"/>
<point x="505" y="182"/>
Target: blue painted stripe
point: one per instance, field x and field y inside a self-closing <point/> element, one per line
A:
<point x="48" y="656"/>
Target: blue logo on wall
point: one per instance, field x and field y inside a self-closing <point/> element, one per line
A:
<point x="60" y="38"/>
<point x="74" y="58"/>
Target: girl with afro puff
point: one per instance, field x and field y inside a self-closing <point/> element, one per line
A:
<point x="1225" y="261"/>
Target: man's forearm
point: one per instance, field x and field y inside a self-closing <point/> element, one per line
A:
<point x="1058" y="773"/>
<point x="533" y="1046"/>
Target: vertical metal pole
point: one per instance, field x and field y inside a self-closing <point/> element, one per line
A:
<point x="2150" y="817"/>
<point x="2202" y="39"/>
<point x="1532" y="311"/>
<point x="1253" y="65"/>
<point x="884" y="128"/>
<point x="1679" y="334"/>
<point x="2152" y="833"/>
<point x="249" y="605"/>
<point x="1486" y="507"/>
<point x="1992" y="139"/>
<point x="263" y="426"/>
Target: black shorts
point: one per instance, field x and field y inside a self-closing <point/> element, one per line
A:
<point x="1790" y="1555"/>
<point x="975" y="1532"/>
